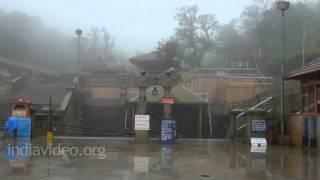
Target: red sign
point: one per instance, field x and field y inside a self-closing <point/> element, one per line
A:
<point x="22" y="101"/>
<point x="167" y="100"/>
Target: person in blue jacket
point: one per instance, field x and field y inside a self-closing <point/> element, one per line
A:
<point x="10" y="128"/>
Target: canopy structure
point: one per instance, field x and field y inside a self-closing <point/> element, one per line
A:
<point x="152" y="62"/>
<point x="181" y="95"/>
<point x="311" y="68"/>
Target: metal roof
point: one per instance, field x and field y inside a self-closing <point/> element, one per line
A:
<point x="152" y="62"/>
<point x="312" y="67"/>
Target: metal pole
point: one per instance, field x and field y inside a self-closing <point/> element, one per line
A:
<point x="282" y="71"/>
<point x="50" y="114"/>
<point x="303" y="45"/>
<point x="49" y="130"/>
<point x="78" y="56"/>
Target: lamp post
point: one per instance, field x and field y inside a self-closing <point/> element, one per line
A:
<point x="283" y="6"/>
<point x="78" y="33"/>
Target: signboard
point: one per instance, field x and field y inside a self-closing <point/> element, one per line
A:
<point x="24" y="127"/>
<point x="258" y="141"/>
<point x="19" y="112"/>
<point x="258" y="126"/>
<point x="167" y="100"/>
<point x="142" y="122"/>
<point x="258" y="149"/>
<point x="167" y="131"/>
<point x="258" y="145"/>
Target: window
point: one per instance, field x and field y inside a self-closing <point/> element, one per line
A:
<point x="312" y="108"/>
<point x="318" y="98"/>
<point x="304" y="99"/>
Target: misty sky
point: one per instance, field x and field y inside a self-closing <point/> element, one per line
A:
<point x="136" y="24"/>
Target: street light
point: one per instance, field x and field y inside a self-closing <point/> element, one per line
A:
<point x="78" y="33"/>
<point x="283" y="6"/>
<point x="304" y="33"/>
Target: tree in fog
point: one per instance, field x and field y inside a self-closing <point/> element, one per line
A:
<point x="167" y="50"/>
<point x="257" y="37"/>
<point x="233" y="47"/>
<point x="24" y="38"/>
<point x="100" y="44"/>
<point x="108" y="43"/>
<point x="195" y="34"/>
<point x="93" y="46"/>
<point x="266" y="33"/>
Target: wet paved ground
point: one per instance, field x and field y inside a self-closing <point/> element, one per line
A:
<point x="188" y="159"/>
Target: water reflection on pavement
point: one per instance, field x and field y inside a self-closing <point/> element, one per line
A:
<point x="187" y="159"/>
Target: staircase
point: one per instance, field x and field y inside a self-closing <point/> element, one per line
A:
<point x="241" y="122"/>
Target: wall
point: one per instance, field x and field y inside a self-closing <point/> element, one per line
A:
<point x="295" y="129"/>
<point x="108" y="92"/>
<point x="227" y="90"/>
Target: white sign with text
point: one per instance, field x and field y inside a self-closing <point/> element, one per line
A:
<point x="142" y="122"/>
<point x="258" y="145"/>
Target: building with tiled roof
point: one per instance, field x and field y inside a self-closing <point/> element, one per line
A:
<point x="305" y="72"/>
<point x="303" y="127"/>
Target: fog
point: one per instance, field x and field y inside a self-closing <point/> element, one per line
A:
<point x="137" y="25"/>
<point x="203" y="33"/>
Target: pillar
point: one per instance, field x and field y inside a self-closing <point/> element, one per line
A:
<point x="233" y="127"/>
<point x="167" y="109"/>
<point x="142" y="136"/>
<point x="123" y="95"/>
<point x="167" y="124"/>
<point x="248" y="134"/>
<point x="200" y="122"/>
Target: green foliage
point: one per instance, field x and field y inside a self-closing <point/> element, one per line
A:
<point x="256" y="38"/>
<point x="264" y="29"/>
<point x="26" y="39"/>
<point x="194" y="34"/>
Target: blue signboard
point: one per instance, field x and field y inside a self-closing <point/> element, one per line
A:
<point x="19" y="126"/>
<point x="258" y="126"/>
<point x="167" y="131"/>
<point x="24" y="127"/>
<point x="313" y="131"/>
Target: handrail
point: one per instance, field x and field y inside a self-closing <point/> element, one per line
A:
<point x="242" y="126"/>
<point x="70" y="92"/>
<point x="250" y="109"/>
<point x="253" y="107"/>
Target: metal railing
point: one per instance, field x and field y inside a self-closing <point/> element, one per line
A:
<point x="242" y="125"/>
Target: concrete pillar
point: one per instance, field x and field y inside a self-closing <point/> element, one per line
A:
<point x="142" y="136"/>
<point x="167" y="109"/>
<point x="123" y="95"/>
<point x="249" y="122"/>
<point x="200" y="122"/>
<point x="233" y="127"/>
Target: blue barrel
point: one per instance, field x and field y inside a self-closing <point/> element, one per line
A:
<point x="167" y="131"/>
